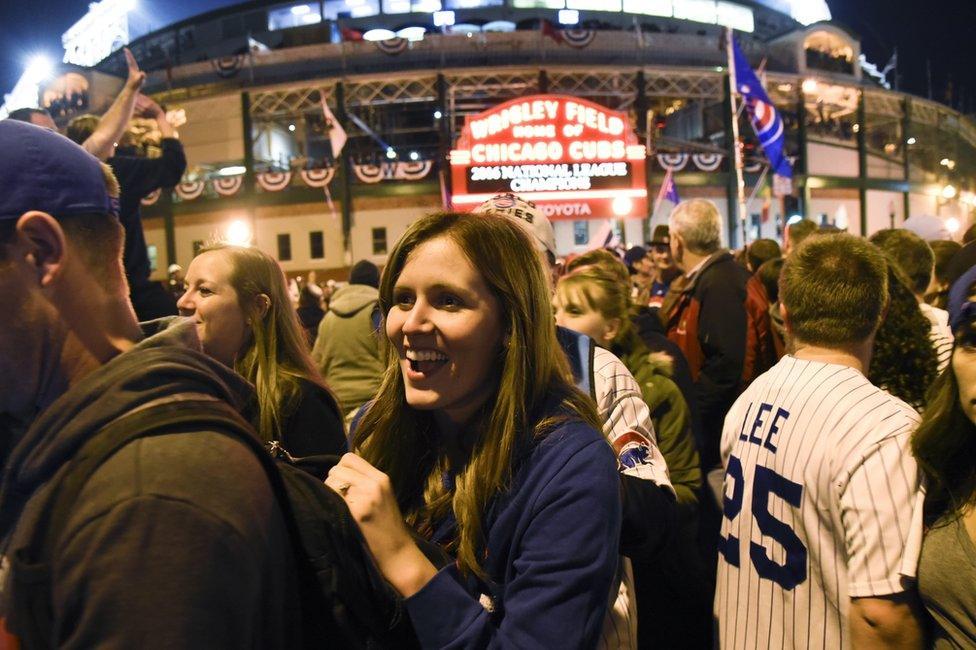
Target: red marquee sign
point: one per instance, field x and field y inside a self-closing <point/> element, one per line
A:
<point x="571" y="157"/>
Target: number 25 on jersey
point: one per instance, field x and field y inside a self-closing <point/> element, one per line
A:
<point x="765" y="483"/>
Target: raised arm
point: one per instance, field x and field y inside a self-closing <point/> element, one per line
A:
<point x="101" y="143"/>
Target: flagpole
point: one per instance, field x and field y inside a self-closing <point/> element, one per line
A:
<point x="740" y="181"/>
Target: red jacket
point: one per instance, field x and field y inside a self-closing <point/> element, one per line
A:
<point x="761" y="353"/>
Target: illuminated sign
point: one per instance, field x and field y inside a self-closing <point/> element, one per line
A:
<point x="104" y="29"/>
<point x="575" y="159"/>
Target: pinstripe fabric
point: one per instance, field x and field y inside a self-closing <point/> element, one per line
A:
<point x="830" y="505"/>
<point x="940" y="334"/>
<point x="627" y="424"/>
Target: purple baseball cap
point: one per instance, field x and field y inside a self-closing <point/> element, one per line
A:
<point x="43" y="170"/>
<point x="961" y="308"/>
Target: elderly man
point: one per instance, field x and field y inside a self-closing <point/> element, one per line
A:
<point x="706" y="317"/>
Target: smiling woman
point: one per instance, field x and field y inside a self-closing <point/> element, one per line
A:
<point x="479" y="441"/>
<point x="238" y="298"/>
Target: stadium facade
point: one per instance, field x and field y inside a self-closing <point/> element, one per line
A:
<point x="582" y="104"/>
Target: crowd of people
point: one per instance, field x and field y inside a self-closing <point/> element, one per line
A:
<point x="679" y="446"/>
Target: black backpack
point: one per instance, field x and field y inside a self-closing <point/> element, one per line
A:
<point x="345" y="602"/>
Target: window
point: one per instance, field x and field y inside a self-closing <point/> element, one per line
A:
<point x="153" y="257"/>
<point x="379" y="241"/>
<point x="581" y="233"/>
<point x="598" y="5"/>
<point x="284" y="247"/>
<point x="472" y="4"/>
<point x="197" y="245"/>
<point x="649" y="7"/>
<point x="316" y="245"/>
<point x="736" y="17"/>
<point x="702" y="11"/>
<point x="539" y="4"/>
<point x="294" y="16"/>
<point x="334" y="9"/>
<point x="407" y="6"/>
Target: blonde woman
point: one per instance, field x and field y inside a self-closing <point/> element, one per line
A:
<point x="239" y="300"/>
<point x="479" y="441"/>
<point x="673" y="588"/>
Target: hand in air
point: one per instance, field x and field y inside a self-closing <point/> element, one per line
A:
<point x="136" y="76"/>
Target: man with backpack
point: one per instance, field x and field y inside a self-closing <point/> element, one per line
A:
<point x="177" y="538"/>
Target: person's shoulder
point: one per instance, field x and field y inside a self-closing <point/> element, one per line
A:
<point x="185" y="467"/>
<point x="570" y="437"/>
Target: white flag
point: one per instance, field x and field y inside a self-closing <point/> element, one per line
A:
<point x="337" y="134"/>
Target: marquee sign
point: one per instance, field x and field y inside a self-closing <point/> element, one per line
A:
<point x="573" y="158"/>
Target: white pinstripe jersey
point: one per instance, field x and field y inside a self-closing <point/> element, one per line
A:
<point x="627" y="426"/>
<point x="940" y="333"/>
<point x="822" y="504"/>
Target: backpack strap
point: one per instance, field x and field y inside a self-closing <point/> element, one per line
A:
<point x="185" y="413"/>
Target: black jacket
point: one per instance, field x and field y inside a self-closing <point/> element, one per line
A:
<point x="138" y="177"/>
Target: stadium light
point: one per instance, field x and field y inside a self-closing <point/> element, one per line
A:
<point x="443" y="18"/>
<point x="438" y="115"/>
<point x="622" y="205"/>
<point x="568" y="17"/>
<point x="911" y="141"/>
<point x="809" y="86"/>
<point x="238" y="233"/>
<point x="949" y="192"/>
<point x="414" y="155"/>
<point x="390" y="153"/>
<point x="39" y="68"/>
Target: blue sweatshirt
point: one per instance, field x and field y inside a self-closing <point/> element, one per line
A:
<point x="551" y="556"/>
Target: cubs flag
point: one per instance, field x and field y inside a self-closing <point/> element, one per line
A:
<point x="765" y="119"/>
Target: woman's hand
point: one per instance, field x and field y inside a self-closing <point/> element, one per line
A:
<point x="369" y="495"/>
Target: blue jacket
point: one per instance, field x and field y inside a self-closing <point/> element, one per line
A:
<point x="551" y="555"/>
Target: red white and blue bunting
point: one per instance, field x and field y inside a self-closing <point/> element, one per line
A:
<point x="318" y="177"/>
<point x="273" y="181"/>
<point x="228" y="66"/>
<point x="673" y="161"/>
<point x="228" y="185"/>
<point x="579" y="38"/>
<point x="400" y="171"/>
<point x="152" y="197"/>
<point x="189" y="190"/>
<point x="392" y="46"/>
<point x="707" y="162"/>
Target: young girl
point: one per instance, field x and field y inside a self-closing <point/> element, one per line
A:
<point x="239" y="299"/>
<point x="479" y="441"/>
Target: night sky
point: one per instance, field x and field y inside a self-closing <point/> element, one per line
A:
<point x="940" y="32"/>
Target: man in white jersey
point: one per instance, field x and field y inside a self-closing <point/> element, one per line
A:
<point x="822" y="510"/>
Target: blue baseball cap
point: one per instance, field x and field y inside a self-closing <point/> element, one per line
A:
<point x="961" y="308"/>
<point x="43" y="170"/>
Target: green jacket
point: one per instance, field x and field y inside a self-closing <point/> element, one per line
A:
<point x="671" y="418"/>
<point x="348" y="350"/>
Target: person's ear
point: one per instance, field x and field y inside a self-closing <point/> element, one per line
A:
<point x="785" y="315"/>
<point x="44" y="245"/>
<point x="610" y="330"/>
<point x="262" y="303"/>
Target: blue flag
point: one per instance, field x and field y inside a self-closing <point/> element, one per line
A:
<point x="765" y="119"/>
<point x="670" y="190"/>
